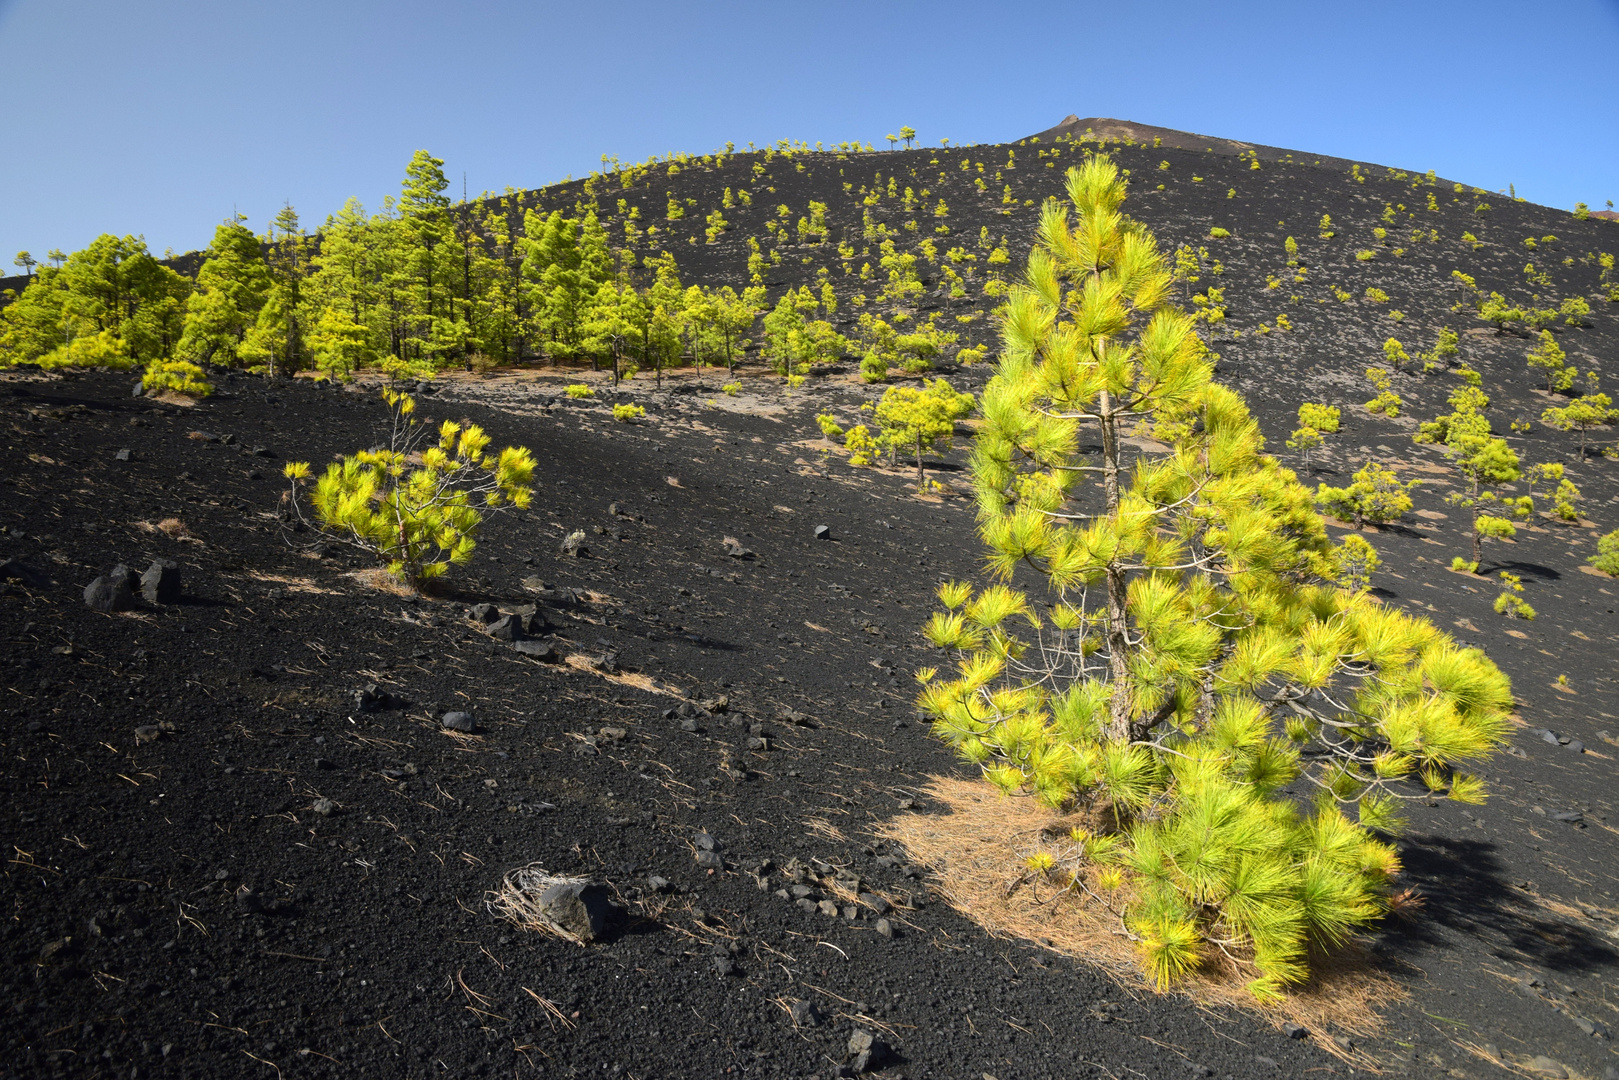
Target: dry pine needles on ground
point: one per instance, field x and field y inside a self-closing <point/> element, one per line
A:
<point x="973" y="848"/>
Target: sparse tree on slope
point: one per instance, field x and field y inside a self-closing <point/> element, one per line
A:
<point x="1191" y="647"/>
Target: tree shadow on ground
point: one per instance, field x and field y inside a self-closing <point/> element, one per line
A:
<point x="1465" y="887"/>
<point x="1540" y="575"/>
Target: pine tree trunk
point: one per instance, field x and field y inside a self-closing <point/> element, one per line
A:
<point x="1118" y="642"/>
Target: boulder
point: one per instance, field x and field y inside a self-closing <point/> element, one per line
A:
<point x="112" y="592"/>
<point x="161" y="582"/>
<point x="459" y="721"/>
<point x="539" y="650"/>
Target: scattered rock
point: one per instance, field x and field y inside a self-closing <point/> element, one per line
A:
<point x="709" y="860"/>
<point x="459" y="721"/>
<point x="122" y="454"/>
<point x="823" y="532"/>
<point x="804" y="1014"/>
<point x="111" y="592"/>
<point x="577" y="908"/>
<point x="324" y="807"/>
<point x="1570" y="817"/>
<point x="793" y="716"/>
<point x="706" y="842"/>
<point x="533" y="619"/>
<point x="1541" y="1065"/>
<point x="161" y="582"/>
<point x="148" y="733"/>
<point x="1575" y="745"/>
<point x="869" y="1051"/>
<point x="726" y="966"/>
<point x="483" y="613"/>
<point x="1295" y="1031"/>
<point x="885" y="928"/>
<point x="828" y="908"/>
<point x="658" y="884"/>
<point x="1547" y="735"/>
<point x="607" y="662"/>
<point x="734" y="548"/>
<point x="573" y="545"/>
<point x="539" y="650"/>
<point x="875" y="903"/>
<point x="535" y="584"/>
<point x="505" y="628"/>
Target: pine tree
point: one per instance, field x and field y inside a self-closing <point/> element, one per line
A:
<point x="421" y="263"/>
<point x="419" y="502"/>
<point x="1485" y="462"/>
<point x="277" y="336"/>
<point x="918" y="419"/>
<point x="1582" y="414"/>
<point x="1550" y="358"/>
<point x="1190" y="649"/>
<point x="231" y="289"/>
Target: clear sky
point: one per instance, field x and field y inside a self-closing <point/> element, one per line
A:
<point x="161" y="117"/>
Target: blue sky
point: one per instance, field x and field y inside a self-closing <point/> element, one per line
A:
<point x="162" y="117"/>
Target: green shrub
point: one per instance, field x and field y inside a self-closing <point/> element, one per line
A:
<point x="1218" y="233"/>
<point x="176" y="376"/>
<point x="1607" y="557"/>
<point x="1511" y="602"/>
<point x="1165" y="687"/>
<point x="873" y="368"/>
<point x="1375" y="495"/>
<point x="626" y="413"/>
<point x="580" y="390"/>
<point x="732" y="389"/>
<point x="103" y="349"/>
<point x="919" y="419"/>
<point x="419" y="519"/>
<point x="1387" y="401"/>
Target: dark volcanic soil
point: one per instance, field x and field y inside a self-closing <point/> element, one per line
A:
<point x="178" y="907"/>
<point x="365" y="948"/>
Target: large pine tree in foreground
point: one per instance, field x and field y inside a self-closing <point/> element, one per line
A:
<point x="1234" y="726"/>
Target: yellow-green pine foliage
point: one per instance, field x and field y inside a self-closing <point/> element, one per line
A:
<point x="1191" y="656"/>
<point x="176" y="376"/>
<point x="919" y="419"/>
<point x="419" y="518"/>
<point x="1374" y="495"/>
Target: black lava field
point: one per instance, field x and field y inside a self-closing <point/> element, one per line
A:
<point x="241" y="842"/>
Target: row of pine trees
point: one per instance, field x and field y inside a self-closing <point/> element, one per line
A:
<point x="416" y="287"/>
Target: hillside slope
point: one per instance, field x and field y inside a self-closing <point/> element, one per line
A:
<point x="185" y="904"/>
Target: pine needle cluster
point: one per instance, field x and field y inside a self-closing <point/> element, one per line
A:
<point x="1192" y="667"/>
<point x="418" y="503"/>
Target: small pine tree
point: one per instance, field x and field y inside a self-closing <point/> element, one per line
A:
<point x="1387" y="401"/>
<point x="175" y="376"/>
<point x="1511" y="602"/>
<point x="1485" y="462"/>
<point x="1607" y="557"/>
<point x="423" y="518"/>
<point x="1581" y="415"/>
<point x="1190" y="648"/>
<point x="919" y="419"/>
<point x="1374" y="496"/>
<point x="1549" y="357"/>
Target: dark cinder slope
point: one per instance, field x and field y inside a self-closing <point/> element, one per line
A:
<point x="180" y="908"/>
